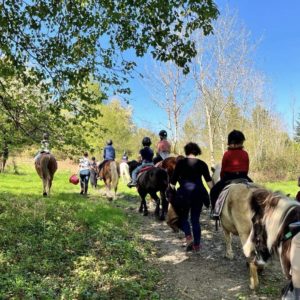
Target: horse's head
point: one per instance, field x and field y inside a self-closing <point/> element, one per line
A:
<point x="132" y="165"/>
<point x="257" y="243"/>
<point x="216" y="171"/>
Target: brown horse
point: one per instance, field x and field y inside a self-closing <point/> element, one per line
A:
<point x="110" y="175"/>
<point x="46" y="166"/>
<point x="169" y="164"/>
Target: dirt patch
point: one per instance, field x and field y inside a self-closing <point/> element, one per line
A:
<point x="207" y="275"/>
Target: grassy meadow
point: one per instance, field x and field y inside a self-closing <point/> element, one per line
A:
<point x="69" y="246"/>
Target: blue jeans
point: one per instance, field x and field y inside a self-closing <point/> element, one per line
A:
<point x="84" y="180"/>
<point x="138" y="169"/>
<point x="195" y="211"/>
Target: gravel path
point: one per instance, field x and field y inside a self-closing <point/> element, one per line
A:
<point x="207" y="275"/>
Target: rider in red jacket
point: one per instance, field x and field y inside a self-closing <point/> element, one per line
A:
<point x="235" y="164"/>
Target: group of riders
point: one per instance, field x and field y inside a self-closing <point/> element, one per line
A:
<point x="191" y="194"/>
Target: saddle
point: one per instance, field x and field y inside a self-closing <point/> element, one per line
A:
<point x="237" y="180"/>
<point x="144" y="169"/>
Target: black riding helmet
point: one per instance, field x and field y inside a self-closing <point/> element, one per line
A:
<point x="146" y="141"/>
<point x="109" y="142"/>
<point x="163" y="134"/>
<point x="236" y="137"/>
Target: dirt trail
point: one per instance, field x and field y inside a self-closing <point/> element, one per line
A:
<point x="207" y="275"/>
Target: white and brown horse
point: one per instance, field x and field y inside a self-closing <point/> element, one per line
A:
<point x="110" y="175"/>
<point x="46" y="166"/>
<point x="276" y="230"/>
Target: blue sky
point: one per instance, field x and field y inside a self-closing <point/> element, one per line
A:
<point x="278" y="57"/>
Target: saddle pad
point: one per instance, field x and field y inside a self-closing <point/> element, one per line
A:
<point x="146" y="168"/>
<point x="220" y="201"/>
<point x="141" y="172"/>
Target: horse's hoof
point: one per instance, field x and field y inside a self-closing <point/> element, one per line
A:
<point x="145" y="213"/>
<point x="45" y="194"/>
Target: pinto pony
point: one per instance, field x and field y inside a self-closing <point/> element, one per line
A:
<point x="46" y="166"/>
<point x="110" y="175"/>
<point x="276" y="230"/>
<point x="150" y="182"/>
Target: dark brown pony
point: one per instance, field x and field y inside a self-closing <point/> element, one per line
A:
<point x="169" y="164"/>
<point x="110" y="175"/>
<point x="150" y="182"/>
<point x="46" y="166"/>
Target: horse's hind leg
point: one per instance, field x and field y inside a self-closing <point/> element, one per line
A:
<point x="143" y="205"/>
<point x="164" y="204"/>
<point x="228" y="242"/>
<point x="44" y="187"/>
<point x="157" y="203"/>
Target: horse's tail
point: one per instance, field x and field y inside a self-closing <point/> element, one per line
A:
<point x="114" y="175"/>
<point x="45" y="160"/>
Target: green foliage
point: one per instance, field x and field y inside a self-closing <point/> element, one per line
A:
<point x="67" y="246"/>
<point x="66" y="42"/>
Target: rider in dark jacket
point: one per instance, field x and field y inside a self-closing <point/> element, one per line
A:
<point x="146" y="155"/>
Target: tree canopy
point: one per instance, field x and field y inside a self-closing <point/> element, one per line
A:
<point x="65" y="43"/>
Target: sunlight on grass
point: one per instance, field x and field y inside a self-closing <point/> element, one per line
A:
<point x="68" y="246"/>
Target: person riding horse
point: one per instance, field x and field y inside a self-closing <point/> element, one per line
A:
<point x="146" y="156"/>
<point x="235" y="165"/>
<point x="109" y="153"/>
<point x="44" y="146"/>
<point x="163" y="147"/>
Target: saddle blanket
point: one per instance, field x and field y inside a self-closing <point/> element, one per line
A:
<point x="144" y="169"/>
<point x="220" y="201"/>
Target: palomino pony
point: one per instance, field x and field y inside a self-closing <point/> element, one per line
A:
<point x="46" y="166"/>
<point x="235" y="218"/>
<point x="276" y="230"/>
<point x="151" y="181"/>
<point x="110" y="175"/>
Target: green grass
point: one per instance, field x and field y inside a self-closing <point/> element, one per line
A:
<point x="286" y="187"/>
<point x="68" y="246"/>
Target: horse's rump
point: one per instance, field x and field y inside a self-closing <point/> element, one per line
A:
<point x="153" y="179"/>
<point x="236" y="212"/>
<point x="46" y="165"/>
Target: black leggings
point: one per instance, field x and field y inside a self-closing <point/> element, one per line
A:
<point x="220" y="185"/>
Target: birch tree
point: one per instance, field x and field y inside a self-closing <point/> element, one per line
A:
<point x="225" y="80"/>
<point x="169" y="90"/>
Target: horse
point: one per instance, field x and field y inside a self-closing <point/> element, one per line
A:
<point x="124" y="171"/>
<point x="169" y="164"/>
<point x="46" y="166"/>
<point x="150" y="182"/>
<point x="276" y="230"/>
<point x="110" y="175"/>
<point x="235" y="218"/>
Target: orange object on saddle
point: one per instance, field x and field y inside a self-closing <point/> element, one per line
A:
<point x="74" y="179"/>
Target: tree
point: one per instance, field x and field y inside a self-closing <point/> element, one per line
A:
<point x="297" y="130"/>
<point x="225" y="79"/>
<point x="169" y="90"/>
<point x="65" y="44"/>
